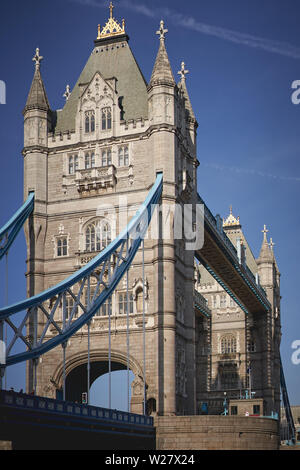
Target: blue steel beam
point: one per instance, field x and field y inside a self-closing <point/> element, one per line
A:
<point x="129" y="240"/>
<point x="11" y="229"/>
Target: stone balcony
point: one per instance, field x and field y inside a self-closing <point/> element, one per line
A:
<point x="95" y="179"/>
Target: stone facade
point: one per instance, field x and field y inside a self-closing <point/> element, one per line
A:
<point x="242" y="355"/>
<point x="216" y="433"/>
<point x="113" y="135"/>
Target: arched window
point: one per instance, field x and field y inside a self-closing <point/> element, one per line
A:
<point x="89" y="121"/>
<point x="106" y="157"/>
<point x="97" y="235"/>
<point x="69" y="305"/>
<point x="89" y="160"/>
<point x="106" y="118"/>
<point x="123" y="156"/>
<point x="73" y="164"/>
<point x="228" y="344"/>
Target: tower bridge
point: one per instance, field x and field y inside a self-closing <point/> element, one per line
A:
<point x="191" y="324"/>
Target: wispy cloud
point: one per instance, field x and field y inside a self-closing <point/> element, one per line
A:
<point x="191" y="23"/>
<point x="247" y="171"/>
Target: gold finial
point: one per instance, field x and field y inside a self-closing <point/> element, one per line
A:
<point x="111" y="7"/>
<point x="231" y="220"/>
<point x="112" y="27"/>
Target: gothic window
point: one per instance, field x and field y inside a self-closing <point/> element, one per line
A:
<point x="231" y="302"/>
<point x="123" y="303"/>
<point x="223" y="301"/>
<point x="104" y="309"/>
<point x="106" y="118"/>
<point x="97" y="236"/>
<point x="106" y="157"/>
<point x="69" y="305"/>
<point x="214" y="301"/>
<point x="123" y="156"/>
<point x="89" y="160"/>
<point x="62" y="246"/>
<point x="73" y="164"/>
<point x="228" y="344"/>
<point x="89" y="121"/>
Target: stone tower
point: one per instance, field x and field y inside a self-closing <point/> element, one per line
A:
<point x="242" y="350"/>
<point x="113" y="135"/>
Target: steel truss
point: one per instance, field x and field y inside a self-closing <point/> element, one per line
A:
<point x="11" y="229"/>
<point x="51" y="317"/>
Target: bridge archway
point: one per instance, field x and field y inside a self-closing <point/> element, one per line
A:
<point x="76" y="375"/>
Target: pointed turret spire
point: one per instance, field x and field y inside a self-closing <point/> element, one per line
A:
<point x="37" y="97"/>
<point x="162" y="73"/>
<point x="182" y="86"/>
<point x="265" y="252"/>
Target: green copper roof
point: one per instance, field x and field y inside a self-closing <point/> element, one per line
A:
<point x="113" y="59"/>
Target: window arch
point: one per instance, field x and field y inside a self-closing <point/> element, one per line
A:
<point x="228" y="344"/>
<point x="106" y="118"/>
<point x="89" y="121"/>
<point x="97" y="235"/>
<point x="89" y="160"/>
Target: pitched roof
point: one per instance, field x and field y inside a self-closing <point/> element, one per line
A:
<point x="37" y="97"/>
<point x="112" y="58"/>
<point x="162" y="73"/>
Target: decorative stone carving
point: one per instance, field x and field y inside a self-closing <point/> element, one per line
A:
<point x="95" y="179"/>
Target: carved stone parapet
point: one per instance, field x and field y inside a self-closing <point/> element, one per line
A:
<point x="95" y="178"/>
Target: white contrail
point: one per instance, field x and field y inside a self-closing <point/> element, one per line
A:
<point x="248" y="171"/>
<point x="189" y="22"/>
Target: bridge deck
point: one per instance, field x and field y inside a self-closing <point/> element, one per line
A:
<point x="37" y="422"/>
<point x="220" y="258"/>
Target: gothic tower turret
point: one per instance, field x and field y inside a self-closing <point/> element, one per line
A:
<point x="269" y="278"/>
<point x="37" y="121"/>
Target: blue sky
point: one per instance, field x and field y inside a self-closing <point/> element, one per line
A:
<point x="242" y="56"/>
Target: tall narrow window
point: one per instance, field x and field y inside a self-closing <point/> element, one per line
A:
<point x="97" y="236"/>
<point x="123" y="156"/>
<point x="123" y="303"/>
<point x="223" y="301"/>
<point x="73" y="163"/>
<point x="89" y="160"/>
<point x="89" y="121"/>
<point x="69" y="307"/>
<point x="228" y="344"/>
<point x="106" y="157"/>
<point x="106" y="119"/>
<point x="62" y="246"/>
